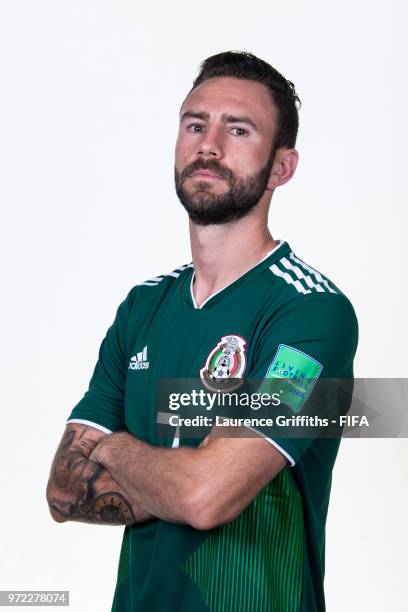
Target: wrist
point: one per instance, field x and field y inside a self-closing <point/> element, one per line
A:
<point x="110" y="448"/>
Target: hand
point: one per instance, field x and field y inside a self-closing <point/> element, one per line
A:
<point x="108" y="445"/>
<point x="98" y="454"/>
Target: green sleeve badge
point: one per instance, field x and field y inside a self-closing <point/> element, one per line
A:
<point x="299" y="372"/>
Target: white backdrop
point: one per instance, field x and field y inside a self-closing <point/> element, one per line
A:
<point x="90" y="94"/>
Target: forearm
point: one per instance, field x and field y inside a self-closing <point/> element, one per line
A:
<point x="80" y="489"/>
<point x="95" y="497"/>
<point x="204" y="487"/>
<point x="163" y="480"/>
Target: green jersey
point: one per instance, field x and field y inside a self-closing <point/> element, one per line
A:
<point x="280" y="314"/>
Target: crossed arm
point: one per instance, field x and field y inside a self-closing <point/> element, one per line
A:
<point x="80" y="489"/>
<point x="118" y="479"/>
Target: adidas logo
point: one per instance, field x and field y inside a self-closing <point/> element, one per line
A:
<point x="139" y="361"/>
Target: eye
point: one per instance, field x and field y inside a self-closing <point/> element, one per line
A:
<point x="242" y="131"/>
<point x="195" y="125"/>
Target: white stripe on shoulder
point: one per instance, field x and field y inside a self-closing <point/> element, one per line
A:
<point x="301" y="276"/>
<point x="288" y="278"/>
<point x="294" y="275"/>
<point x="315" y="273"/>
<point x="153" y="282"/>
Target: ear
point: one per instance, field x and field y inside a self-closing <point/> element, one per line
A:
<point x="283" y="168"/>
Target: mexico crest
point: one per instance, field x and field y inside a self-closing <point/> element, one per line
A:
<point x="225" y="364"/>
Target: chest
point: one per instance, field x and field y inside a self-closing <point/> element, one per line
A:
<point x="178" y="344"/>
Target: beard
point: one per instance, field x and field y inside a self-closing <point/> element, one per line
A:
<point x="206" y="208"/>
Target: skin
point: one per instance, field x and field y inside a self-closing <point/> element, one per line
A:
<point x="213" y="247"/>
<point x="81" y="490"/>
<point x="186" y="485"/>
<point x="138" y="481"/>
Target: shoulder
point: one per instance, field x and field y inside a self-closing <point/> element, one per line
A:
<point x="307" y="300"/>
<point x="170" y="277"/>
<point x="293" y="274"/>
<point x="164" y="281"/>
<point x="153" y="289"/>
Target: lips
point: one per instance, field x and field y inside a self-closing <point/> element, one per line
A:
<point x="206" y="174"/>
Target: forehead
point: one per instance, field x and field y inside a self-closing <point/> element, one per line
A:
<point x="235" y="96"/>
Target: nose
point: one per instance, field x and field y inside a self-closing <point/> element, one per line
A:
<point x="210" y="145"/>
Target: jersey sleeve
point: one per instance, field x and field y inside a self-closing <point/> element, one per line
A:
<point x="102" y="406"/>
<point x="314" y="337"/>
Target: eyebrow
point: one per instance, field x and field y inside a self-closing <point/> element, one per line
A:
<point x="225" y="118"/>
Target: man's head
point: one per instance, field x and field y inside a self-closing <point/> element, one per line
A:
<point x="239" y="121"/>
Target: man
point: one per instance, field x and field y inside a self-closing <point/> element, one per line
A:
<point x="222" y="523"/>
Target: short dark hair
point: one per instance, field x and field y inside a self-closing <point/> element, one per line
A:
<point x="245" y="65"/>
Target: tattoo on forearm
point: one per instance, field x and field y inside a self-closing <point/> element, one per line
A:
<point x="112" y="508"/>
<point x="82" y="488"/>
<point x="108" y="508"/>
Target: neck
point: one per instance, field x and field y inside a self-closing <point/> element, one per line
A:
<point x="223" y="253"/>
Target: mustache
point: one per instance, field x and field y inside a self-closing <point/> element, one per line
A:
<point x="210" y="165"/>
